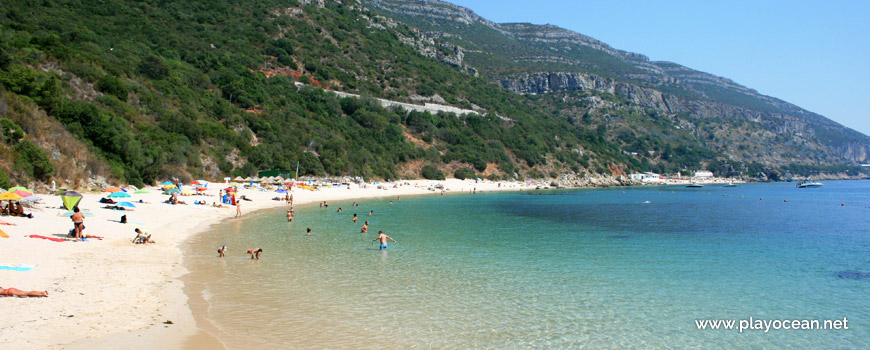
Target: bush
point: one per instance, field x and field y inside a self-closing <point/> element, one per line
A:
<point x="4" y="179"/>
<point x="464" y="173"/>
<point x="32" y="160"/>
<point x="112" y="86"/>
<point x="432" y="173"/>
<point x="10" y="131"/>
<point x="153" y="67"/>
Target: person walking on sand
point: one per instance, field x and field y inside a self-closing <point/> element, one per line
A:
<point x="383" y="238"/>
<point x="238" y="208"/>
<point x="78" y="220"/>
<point x="255" y="253"/>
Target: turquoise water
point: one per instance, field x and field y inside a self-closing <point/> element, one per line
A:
<point x="561" y="269"/>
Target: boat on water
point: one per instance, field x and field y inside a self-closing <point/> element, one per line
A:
<point x="809" y="184"/>
<point x="694" y="185"/>
<point x="730" y="184"/>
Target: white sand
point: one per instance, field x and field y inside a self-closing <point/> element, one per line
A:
<point x="111" y="293"/>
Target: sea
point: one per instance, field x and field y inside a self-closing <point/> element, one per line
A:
<point x="614" y="268"/>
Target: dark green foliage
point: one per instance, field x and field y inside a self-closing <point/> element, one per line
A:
<point x="153" y="67"/>
<point x="432" y="173"/>
<point x="10" y="131"/>
<point x="4" y="180"/>
<point x="464" y="173"/>
<point x="33" y="161"/>
<point x="112" y="86"/>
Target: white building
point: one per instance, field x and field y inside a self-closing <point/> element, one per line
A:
<point x="703" y="173"/>
<point x="646" y="177"/>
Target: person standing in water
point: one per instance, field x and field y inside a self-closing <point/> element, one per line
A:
<point x="238" y="208"/>
<point x="222" y="251"/>
<point x="354" y="218"/>
<point x="255" y="253"/>
<point x="289" y="215"/>
<point x="309" y="232"/>
<point x="365" y="228"/>
<point x="383" y="238"/>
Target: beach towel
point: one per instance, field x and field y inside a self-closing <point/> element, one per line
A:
<point x="48" y="238"/>
<point x="3" y="234"/>
<point x="94" y="237"/>
<point x="7" y="223"/>
<point x="17" y="267"/>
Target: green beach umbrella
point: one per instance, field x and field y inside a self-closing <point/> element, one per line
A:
<point x="172" y="191"/>
<point x="19" y="188"/>
<point x="141" y="191"/>
<point x="119" y="195"/>
<point x="70" y="199"/>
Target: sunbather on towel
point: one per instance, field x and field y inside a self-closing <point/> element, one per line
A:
<point x="12" y="292"/>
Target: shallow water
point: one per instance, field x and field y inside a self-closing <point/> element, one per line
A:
<point x="563" y="269"/>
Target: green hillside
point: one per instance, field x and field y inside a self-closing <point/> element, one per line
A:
<point x="138" y="91"/>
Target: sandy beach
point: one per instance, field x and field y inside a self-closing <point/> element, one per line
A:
<point x="111" y="293"/>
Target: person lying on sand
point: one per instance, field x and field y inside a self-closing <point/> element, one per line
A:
<point x="12" y="292"/>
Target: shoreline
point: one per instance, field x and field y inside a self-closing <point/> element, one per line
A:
<point x="112" y="293"/>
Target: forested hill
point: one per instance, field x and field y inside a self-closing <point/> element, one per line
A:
<point x="139" y="91"/>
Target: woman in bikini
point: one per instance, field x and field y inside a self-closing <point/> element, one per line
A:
<point x="12" y="292"/>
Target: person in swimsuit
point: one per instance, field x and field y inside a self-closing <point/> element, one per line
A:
<point x="255" y="253"/>
<point x="365" y="228"/>
<point x="222" y="251"/>
<point x="78" y="220"/>
<point x="12" y="292"/>
<point x="354" y="218"/>
<point x="289" y="215"/>
<point x="383" y="238"/>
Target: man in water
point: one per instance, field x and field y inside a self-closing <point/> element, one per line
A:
<point x="354" y="218"/>
<point x="289" y="215"/>
<point x="255" y="253"/>
<point x="365" y="228"/>
<point x="308" y="233"/>
<point x="383" y="238"/>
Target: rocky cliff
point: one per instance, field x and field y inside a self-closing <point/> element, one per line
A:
<point x="547" y="59"/>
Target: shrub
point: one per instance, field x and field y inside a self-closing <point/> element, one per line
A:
<point x="4" y="179"/>
<point x="432" y="173"/>
<point x="153" y="67"/>
<point x="112" y="86"/>
<point x="32" y="160"/>
<point x="10" y="131"/>
<point x="464" y="173"/>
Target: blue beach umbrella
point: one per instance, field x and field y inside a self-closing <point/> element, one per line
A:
<point x="281" y="191"/>
<point x="119" y="195"/>
<point x="126" y="204"/>
<point x="70" y="213"/>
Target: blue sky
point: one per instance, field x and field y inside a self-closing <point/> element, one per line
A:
<point x="814" y="54"/>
